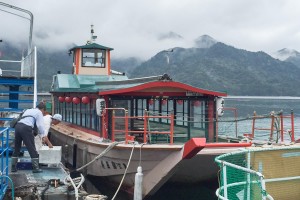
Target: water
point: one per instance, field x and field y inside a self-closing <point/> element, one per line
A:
<point x="262" y="106"/>
<point x="206" y="191"/>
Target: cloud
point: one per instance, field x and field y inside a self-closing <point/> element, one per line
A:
<point x="133" y="27"/>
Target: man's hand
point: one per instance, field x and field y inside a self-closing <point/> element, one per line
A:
<point x="47" y="141"/>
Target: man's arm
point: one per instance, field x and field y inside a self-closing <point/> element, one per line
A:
<point x="47" y="141"/>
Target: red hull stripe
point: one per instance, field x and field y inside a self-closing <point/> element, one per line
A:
<point x="224" y="144"/>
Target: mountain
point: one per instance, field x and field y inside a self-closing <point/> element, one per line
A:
<point x="125" y="64"/>
<point x="289" y="55"/>
<point x="49" y="63"/>
<point x="225" y="68"/>
<point x="205" y="41"/>
<point x="211" y="65"/>
<point x="285" y="53"/>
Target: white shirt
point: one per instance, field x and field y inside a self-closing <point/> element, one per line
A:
<point x="37" y="118"/>
<point x="38" y="139"/>
<point x="47" y="123"/>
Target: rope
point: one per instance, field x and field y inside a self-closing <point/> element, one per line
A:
<point x="95" y="197"/>
<point x="100" y="155"/>
<point x="124" y="172"/>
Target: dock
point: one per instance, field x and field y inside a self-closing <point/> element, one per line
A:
<point x="53" y="183"/>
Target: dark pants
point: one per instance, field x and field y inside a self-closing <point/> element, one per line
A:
<point x="24" y="133"/>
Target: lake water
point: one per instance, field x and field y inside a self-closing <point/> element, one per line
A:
<point x="245" y="107"/>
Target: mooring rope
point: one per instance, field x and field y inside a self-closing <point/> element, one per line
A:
<point x="129" y="160"/>
<point x="112" y="145"/>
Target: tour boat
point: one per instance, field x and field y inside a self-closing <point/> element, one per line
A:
<point x="113" y="124"/>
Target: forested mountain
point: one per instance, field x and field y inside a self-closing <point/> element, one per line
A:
<point x="217" y="67"/>
<point x="225" y="68"/>
<point x="288" y="55"/>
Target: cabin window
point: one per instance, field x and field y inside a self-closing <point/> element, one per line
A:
<point x="79" y="114"/>
<point x="93" y="58"/>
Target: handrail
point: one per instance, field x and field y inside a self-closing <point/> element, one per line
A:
<point x="4" y="136"/>
<point x="280" y="127"/>
<point x="145" y="128"/>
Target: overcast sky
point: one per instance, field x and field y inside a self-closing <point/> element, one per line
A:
<point x="134" y="28"/>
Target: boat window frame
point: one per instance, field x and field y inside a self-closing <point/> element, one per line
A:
<point x="93" y="58"/>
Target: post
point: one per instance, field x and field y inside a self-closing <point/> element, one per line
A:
<point x="253" y="123"/>
<point x="281" y="126"/>
<point x="145" y="126"/>
<point x="293" y="126"/>
<point x="126" y="126"/>
<point x="272" y="126"/>
<point x="172" y="128"/>
<point x="113" y="126"/>
<point x="84" y="160"/>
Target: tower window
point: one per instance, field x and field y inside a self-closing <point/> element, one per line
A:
<point x="93" y="58"/>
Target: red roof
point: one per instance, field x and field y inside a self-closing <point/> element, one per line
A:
<point x="162" y="88"/>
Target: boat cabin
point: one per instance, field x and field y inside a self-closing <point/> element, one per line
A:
<point x="152" y="109"/>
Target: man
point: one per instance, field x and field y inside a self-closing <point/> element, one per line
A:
<point x="24" y="132"/>
<point x="48" y="121"/>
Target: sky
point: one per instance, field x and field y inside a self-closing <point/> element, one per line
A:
<point x="136" y="28"/>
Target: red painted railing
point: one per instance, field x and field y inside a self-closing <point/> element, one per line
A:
<point x="145" y="131"/>
<point x="281" y="118"/>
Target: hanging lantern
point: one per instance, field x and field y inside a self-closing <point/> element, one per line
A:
<point x="85" y="100"/>
<point x="68" y="99"/>
<point x="76" y="100"/>
<point x="164" y="102"/>
<point x="150" y="102"/>
<point x="196" y="103"/>
<point x="61" y="99"/>
<point x="179" y="102"/>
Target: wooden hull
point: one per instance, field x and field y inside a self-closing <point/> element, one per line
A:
<point x="160" y="162"/>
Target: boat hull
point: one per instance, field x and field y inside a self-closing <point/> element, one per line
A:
<point x="159" y="162"/>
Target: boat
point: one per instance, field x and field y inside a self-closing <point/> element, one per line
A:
<point x="113" y="125"/>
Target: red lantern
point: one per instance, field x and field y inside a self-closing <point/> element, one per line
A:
<point x="85" y="100"/>
<point x="179" y="102"/>
<point x="76" y="100"/>
<point x="164" y="102"/>
<point x="61" y="99"/>
<point x="196" y="103"/>
<point x="150" y="101"/>
<point x="68" y="99"/>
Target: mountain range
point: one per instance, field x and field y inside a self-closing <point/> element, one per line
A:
<point x="209" y="65"/>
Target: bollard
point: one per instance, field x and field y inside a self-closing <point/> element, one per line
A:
<point x="138" y="184"/>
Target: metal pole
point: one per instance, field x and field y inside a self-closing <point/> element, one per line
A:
<point x="31" y="22"/>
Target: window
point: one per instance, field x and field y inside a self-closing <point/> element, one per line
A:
<point x="93" y="58"/>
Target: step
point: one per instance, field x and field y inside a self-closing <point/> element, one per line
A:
<point x="16" y="92"/>
<point x="15" y="101"/>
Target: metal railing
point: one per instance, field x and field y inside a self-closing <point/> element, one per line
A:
<point x="4" y="147"/>
<point x="258" y="173"/>
<point x="145" y="131"/>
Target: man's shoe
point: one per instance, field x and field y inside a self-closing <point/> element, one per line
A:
<point x="14" y="161"/>
<point x="35" y="165"/>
